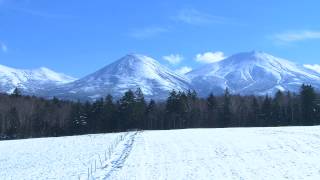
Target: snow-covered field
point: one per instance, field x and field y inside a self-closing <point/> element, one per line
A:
<point x="234" y="153"/>
<point x="51" y="158"/>
<point x="240" y="153"/>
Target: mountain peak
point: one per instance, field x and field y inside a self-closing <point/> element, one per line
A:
<point x="253" y="72"/>
<point x="136" y="58"/>
<point x="45" y="69"/>
<point x="256" y="58"/>
<point x="134" y="55"/>
<point x="30" y="80"/>
<point x="134" y="61"/>
<point x="256" y="52"/>
<point x="46" y="74"/>
<point x="131" y="55"/>
<point x="129" y="72"/>
<point x="130" y="64"/>
<point x="250" y="55"/>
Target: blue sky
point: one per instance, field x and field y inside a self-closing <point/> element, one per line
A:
<point x="77" y="37"/>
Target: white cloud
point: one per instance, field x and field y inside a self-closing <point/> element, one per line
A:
<point x="173" y="58"/>
<point x="315" y="67"/>
<point x="296" y="36"/>
<point x="195" y="17"/>
<point x="3" y="47"/>
<point x="183" y="70"/>
<point x="147" y="32"/>
<point x="210" y="57"/>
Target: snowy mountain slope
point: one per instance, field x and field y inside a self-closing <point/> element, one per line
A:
<point x="30" y="81"/>
<point x="315" y="67"/>
<point x="252" y="73"/>
<point x="130" y="72"/>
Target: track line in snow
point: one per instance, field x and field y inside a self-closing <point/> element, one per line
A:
<point x="118" y="158"/>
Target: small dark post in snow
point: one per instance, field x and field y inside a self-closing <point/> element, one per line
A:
<point x="88" y="173"/>
<point x="90" y="169"/>
<point x="100" y="160"/>
<point x="109" y="151"/>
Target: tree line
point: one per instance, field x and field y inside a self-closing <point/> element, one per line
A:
<point x="29" y="116"/>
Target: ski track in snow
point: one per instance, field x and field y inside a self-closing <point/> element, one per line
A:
<point x="118" y="159"/>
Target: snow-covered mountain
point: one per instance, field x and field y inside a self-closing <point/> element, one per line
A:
<point x="315" y="67"/>
<point x="30" y="81"/>
<point x="244" y="73"/>
<point x="130" y="72"/>
<point x="252" y="73"/>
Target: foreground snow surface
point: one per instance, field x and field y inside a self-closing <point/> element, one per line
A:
<point x="234" y="153"/>
<point x="51" y="158"/>
<point x="240" y="153"/>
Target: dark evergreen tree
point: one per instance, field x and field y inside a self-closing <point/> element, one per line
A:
<point x="139" y="116"/>
<point x="289" y="114"/>
<point x="193" y="118"/>
<point x="183" y="110"/>
<point x="79" y="119"/>
<point x="266" y="112"/>
<point x="212" y="106"/>
<point x="226" y="111"/>
<point x="109" y="114"/>
<point x="2" y="126"/>
<point x="255" y="113"/>
<point x="126" y="111"/>
<point x="97" y="115"/>
<point x="277" y="115"/>
<point x="308" y="106"/>
<point x="16" y="93"/>
<point x="151" y="115"/>
<point x="37" y="122"/>
<point x="172" y="106"/>
<point x="13" y="122"/>
<point x="317" y="112"/>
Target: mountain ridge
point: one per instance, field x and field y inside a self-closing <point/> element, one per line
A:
<point x="30" y="81"/>
<point x="246" y="73"/>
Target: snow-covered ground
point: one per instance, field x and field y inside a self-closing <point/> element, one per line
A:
<point x="234" y="153"/>
<point x="52" y="158"/>
<point x="239" y="153"/>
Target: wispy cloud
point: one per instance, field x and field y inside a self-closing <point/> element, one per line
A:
<point x="173" y="58"/>
<point x="314" y="67"/>
<point x="3" y="47"/>
<point x="147" y="32"/>
<point x="183" y="70"/>
<point x="210" y="57"/>
<point x="295" y="36"/>
<point x="195" y="17"/>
